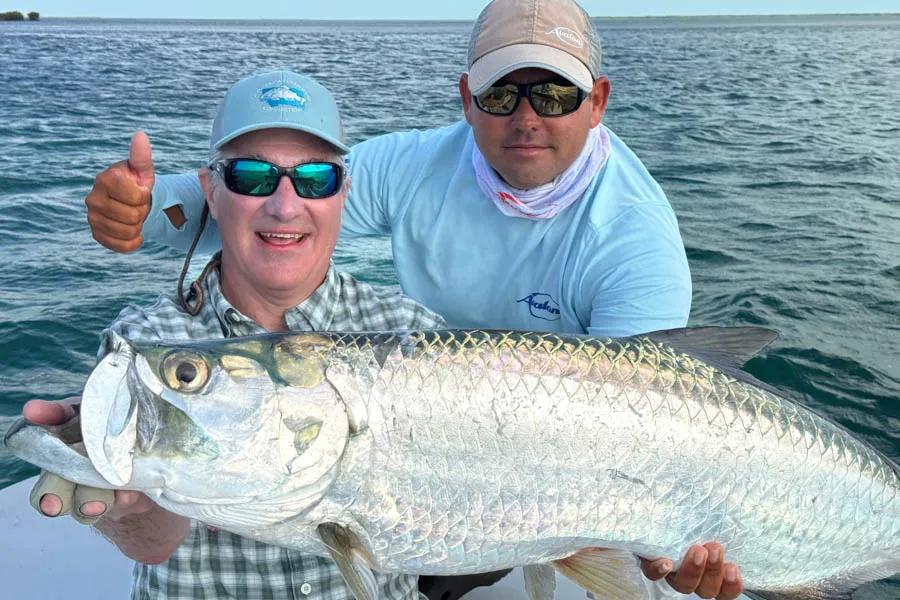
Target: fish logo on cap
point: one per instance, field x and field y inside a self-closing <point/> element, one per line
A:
<point x="284" y="96"/>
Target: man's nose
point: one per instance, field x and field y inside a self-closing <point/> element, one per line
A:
<point x="284" y="204"/>
<point x="524" y="116"/>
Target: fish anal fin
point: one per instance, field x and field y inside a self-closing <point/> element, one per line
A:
<point x="608" y="574"/>
<point x="351" y="559"/>
<point x="540" y="582"/>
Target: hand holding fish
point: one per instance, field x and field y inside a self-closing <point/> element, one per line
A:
<point x="127" y="514"/>
<point x="703" y="571"/>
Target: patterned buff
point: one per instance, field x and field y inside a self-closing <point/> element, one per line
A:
<point x="545" y="201"/>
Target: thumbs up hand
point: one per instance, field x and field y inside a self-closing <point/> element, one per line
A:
<point x="119" y="202"/>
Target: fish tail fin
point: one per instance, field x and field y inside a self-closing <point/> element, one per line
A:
<point x="605" y="572"/>
<point x="836" y="588"/>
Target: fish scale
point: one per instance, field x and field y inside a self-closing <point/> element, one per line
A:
<point x="450" y="452"/>
<point x="699" y="393"/>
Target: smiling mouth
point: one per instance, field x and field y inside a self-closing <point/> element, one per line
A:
<point x="281" y="239"/>
<point x="526" y="148"/>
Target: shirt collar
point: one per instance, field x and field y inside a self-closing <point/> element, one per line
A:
<point x="316" y="313"/>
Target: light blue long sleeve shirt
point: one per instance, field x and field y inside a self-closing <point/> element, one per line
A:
<point x="613" y="263"/>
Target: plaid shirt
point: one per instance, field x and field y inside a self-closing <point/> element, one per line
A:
<point x="216" y="564"/>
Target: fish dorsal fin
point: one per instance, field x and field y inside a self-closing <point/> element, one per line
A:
<point x="837" y="588"/>
<point x="348" y="554"/>
<point x="540" y="582"/>
<point x="606" y="573"/>
<point x="721" y="346"/>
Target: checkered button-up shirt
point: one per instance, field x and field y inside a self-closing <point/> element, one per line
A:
<point x="216" y="564"/>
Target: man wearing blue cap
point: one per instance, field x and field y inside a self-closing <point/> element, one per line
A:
<point x="275" y="185"/>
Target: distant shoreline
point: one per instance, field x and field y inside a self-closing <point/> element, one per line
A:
<point x="593" y="17"/>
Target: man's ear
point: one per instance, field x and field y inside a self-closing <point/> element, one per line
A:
<point x="465" y="95"/>
<point x="205" y="175"/>
<point x="599" y="98"/>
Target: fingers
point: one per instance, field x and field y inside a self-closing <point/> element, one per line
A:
<point x="119" y="183"/>
<point x="140" y="158"/>
<point x="656" y="569"/>
<point x="102" y="225"/>
<point x="704" y="572"/>
<point x="116" y="245"/>
<point x="91" y="503"/>
<point x="52" y="495"/>
<point x="42" y="412"/>
<point x="118" y="199"/>
<point x="714" y="574"/>
<point x="690" y="572"/>
<point x="733" y="584"/>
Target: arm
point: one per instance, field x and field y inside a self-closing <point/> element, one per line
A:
<point x="175" y="214"/>
<point x="384" y="172"/>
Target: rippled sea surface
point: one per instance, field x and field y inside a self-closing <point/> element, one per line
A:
<point x="777" y="141"/>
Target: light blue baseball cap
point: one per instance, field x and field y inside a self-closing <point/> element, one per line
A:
<point x="280" y="100"/>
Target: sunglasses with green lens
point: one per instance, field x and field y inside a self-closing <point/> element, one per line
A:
<point x="548" y="98"/>
<point x="254" y="177"/>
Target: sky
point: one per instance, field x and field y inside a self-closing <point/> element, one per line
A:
<point x="420" y="9"/>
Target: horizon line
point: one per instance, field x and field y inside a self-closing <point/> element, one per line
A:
<point x="413" y="20"/>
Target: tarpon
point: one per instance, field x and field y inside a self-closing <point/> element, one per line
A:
<point x="452" y="452"/>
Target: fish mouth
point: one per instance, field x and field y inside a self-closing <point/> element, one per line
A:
<point x="114" y="396"/>
<point x="127" y="412"/>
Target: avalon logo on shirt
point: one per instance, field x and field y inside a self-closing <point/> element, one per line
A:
<point x="542" y="306"/>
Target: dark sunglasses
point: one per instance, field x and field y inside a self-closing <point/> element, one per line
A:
<point x="548" y="98"/>
<point x="254" y="177"/>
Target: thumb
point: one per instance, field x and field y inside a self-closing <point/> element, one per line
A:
<point x="140" y="159"/>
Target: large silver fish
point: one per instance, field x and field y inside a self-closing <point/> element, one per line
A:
<point x="450" y="452"/>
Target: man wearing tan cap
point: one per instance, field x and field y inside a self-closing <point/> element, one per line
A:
<point x="528" y="214"/>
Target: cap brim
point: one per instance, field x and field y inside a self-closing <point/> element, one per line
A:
<point x="342" y="148"/>
<point x="494" y="65"/>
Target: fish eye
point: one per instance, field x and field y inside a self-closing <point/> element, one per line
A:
<point x="185" y="371"/>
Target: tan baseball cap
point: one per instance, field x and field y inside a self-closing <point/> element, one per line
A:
<point x="556" y="35"/>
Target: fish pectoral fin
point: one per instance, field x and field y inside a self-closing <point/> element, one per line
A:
<point x="540" y="582"/>
<point x="837" y="588"/>
<point x="608" y="574"/>
<point x="351" y="560"/>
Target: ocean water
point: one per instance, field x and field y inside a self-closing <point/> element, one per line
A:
<point x="777" y="141"/>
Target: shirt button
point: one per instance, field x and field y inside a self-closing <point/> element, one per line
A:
<point x="305" y="589"/>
